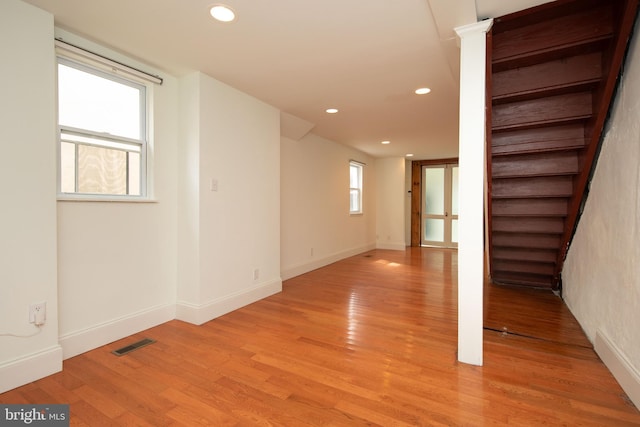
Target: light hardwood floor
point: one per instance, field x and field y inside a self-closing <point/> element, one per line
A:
<point x="370" y="340"/>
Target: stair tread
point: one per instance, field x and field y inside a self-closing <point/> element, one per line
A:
<point x="539" y="147"/>
<point x="521" y="215"/>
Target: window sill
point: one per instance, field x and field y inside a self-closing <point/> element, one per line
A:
<point x="356" y="213"/>
<point x="108" y="199"/>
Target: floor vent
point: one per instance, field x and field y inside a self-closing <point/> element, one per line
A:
<point x="136" y="345"/>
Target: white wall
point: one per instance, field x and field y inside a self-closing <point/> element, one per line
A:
<point x="601" y="276"/>
<point x="390" y="200"/>
<point x="316" y="226"/>
<point x="237" y="227"/>
<point x="120" y="266"/>
<point x="117" y="260"/>
<point x="188" y="280"/>
<point x="28" y="174"/>
<point x="111" y="269"/>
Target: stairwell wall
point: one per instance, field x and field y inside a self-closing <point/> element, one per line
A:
<point x="601" y="278"/>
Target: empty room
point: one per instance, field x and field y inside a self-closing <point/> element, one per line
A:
<point x="320" y="213"/>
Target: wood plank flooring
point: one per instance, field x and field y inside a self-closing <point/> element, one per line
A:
<point x="370" y="340"/>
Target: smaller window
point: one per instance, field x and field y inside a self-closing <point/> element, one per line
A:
<point x="102" y="131"/>
<point x="355" y="188"/>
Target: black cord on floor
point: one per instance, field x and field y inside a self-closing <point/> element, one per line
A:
<point x="507" y="332"/>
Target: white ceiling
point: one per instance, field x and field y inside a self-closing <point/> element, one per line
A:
<point x="364" y="57"/>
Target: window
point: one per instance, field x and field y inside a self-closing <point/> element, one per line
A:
<point x="355" y="187"/>
<point x="103" y="132"/>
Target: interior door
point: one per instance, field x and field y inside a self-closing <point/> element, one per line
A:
<point x="439" y="216"/>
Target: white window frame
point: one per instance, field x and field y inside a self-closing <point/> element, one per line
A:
<point x="74" y="135"/>
<point x="360" y="168"/>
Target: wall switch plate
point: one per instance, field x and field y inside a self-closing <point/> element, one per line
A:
<point x="38" y="313"/>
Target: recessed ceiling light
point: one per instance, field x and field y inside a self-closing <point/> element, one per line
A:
<point x="331" y="110"/>
<point x="423" y="90"/>
<point x="386" y="142"/>
<point x="222" y="13"/>
<point x="409" y="155"/>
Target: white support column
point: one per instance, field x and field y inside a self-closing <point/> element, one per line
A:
<point x="471" y="190"/>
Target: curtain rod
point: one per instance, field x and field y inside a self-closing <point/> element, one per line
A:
<point x="107" y="61"/>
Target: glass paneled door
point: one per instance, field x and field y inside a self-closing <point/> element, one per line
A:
<point x="440" y="205"/>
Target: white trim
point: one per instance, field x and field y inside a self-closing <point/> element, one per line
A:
<point x="475" y="28"/>
<point x="30" y="368"/>
<point x="393" y="246"/>
<point x="78" y="342"/>
<point x="68" y="197"/>
<point x="80" y="136"/>
<point x="360" y="167"/>
<point x="622" y="369"/>
<point x="198" y="314"/>
<point x="471" y="178"/>
<point x="306" y="267"/>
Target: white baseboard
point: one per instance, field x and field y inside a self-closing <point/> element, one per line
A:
<point x="624" y="372"/>
<point x="30" y="368"/>
<point x="306" y="267"/>
<point x="78" y="342"/>
<point x="198" y="314"/>
<point x="394" y="246"/>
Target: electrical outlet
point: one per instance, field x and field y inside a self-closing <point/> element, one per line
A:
<point x="256" y="274"/>
<point x="38" y="313"/>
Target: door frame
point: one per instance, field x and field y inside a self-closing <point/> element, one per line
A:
<point x="416" y="195"/>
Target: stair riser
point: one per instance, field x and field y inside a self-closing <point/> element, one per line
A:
<point x="529" y="225"/>
<point x="554" y="33"/>
<point x="549" y="76"/>
<point x="544" y="269"/>
<point x="562" y="163"/>
<point x="532" y="255"/>
<point x="541" y="112"/>
<point x="561" y="186"/>
<point x="529" y="207"/>
<point x="533" y="241"/>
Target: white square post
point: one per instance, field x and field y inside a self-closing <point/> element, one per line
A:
<point x="471" y="190"/>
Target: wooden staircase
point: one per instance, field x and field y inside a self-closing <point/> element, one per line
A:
<point x="552" y="77"/>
